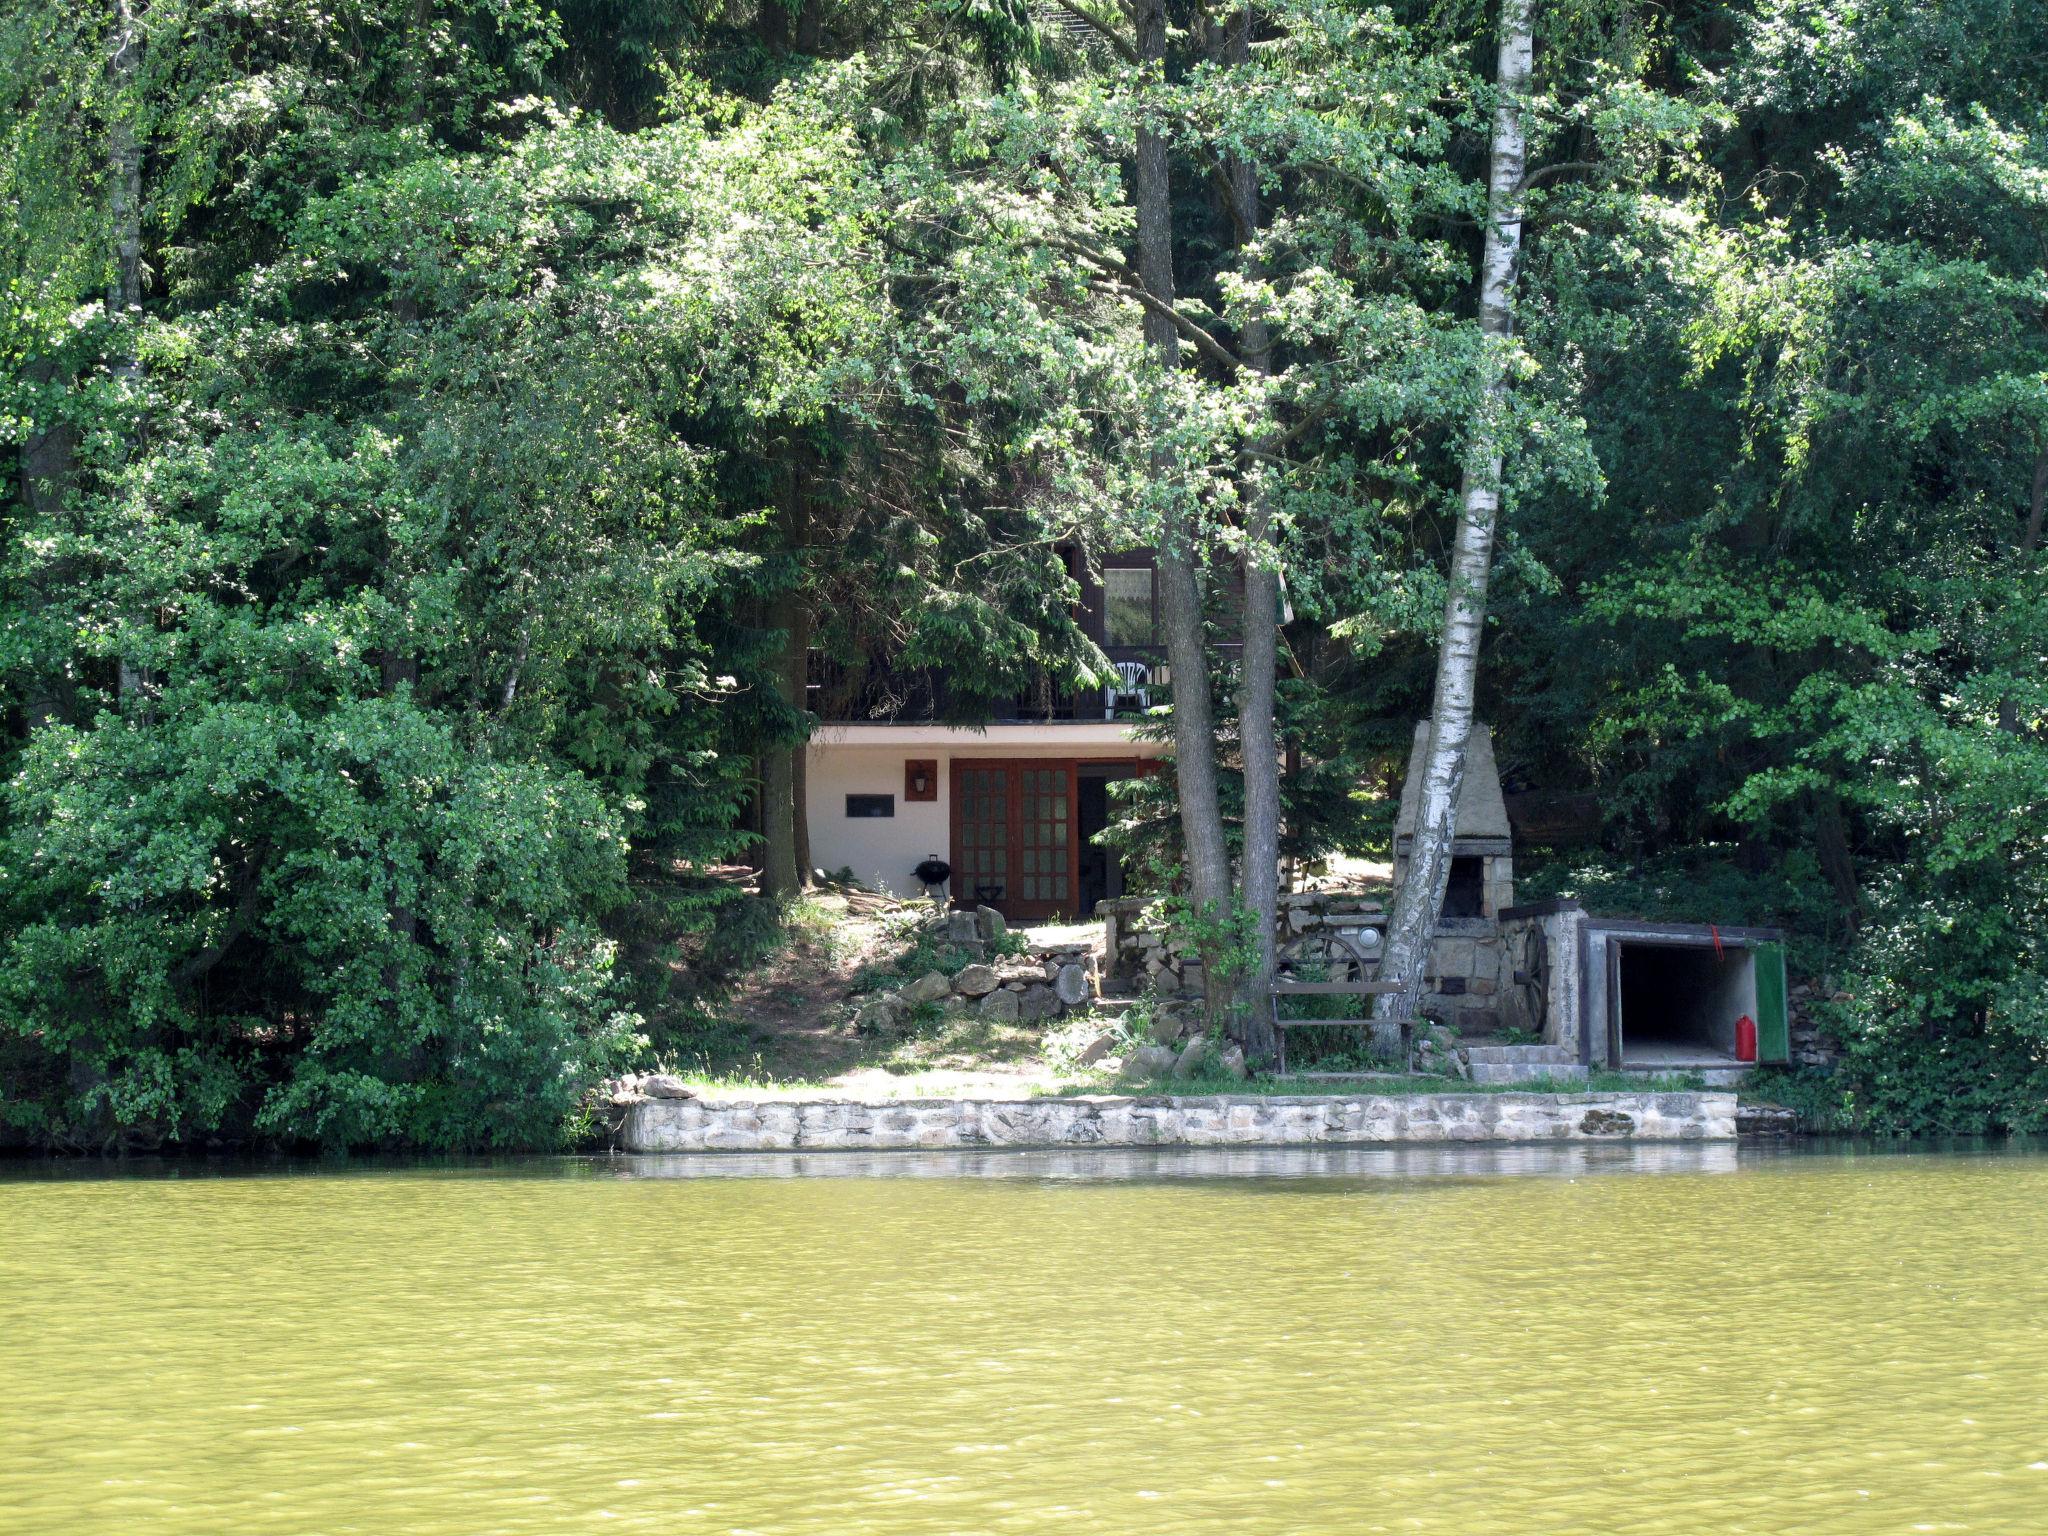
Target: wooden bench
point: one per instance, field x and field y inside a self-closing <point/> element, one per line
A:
<point x="1284" y="986"/>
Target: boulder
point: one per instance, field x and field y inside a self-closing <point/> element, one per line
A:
<point x="1035" y="1004"/>
<point x="1096" y="1049"/>
<point x="1232" y="1062"/>
<point x="1149" y="1061"/>
<point x="1072" y="985"/>
<point x="962" y="928"/>
<point x="879" y="1016"/>
<point x="976" y="981"/>
<point x="1191" y="1057"/>
<point x="1001" y="1007"/>
<point x="928" y="988"/>
<point x="1168" y="1025"/>
<point x="989" y="926"/>
<point x="665" y="1085"/>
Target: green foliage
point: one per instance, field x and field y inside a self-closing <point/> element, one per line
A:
<point x="393" y="609"/>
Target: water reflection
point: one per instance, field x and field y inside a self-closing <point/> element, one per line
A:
<point x="1120" y="1163"/>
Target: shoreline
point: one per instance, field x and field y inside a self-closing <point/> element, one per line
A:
<point x="1165" y="1120"/>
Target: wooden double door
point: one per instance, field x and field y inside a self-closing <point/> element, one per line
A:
<point x="1015" y="847"/>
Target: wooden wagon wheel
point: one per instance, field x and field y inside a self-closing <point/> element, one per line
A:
<point x="1533" y="978"/>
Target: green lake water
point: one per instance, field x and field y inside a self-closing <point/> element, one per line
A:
<point x="1683" y="1340"/>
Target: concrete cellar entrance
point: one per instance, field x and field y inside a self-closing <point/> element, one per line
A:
<point x="1678" y="1002"/>
<point x="1657" y="996"/>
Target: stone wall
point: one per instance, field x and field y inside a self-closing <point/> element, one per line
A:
<point x="1322" y="933"/>
<point x="1541" y="943"/>
<point x="679" y="1125"/>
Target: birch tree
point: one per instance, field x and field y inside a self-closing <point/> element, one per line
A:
<point x="1259" y="869"/>
<point x="1413" y="922"/>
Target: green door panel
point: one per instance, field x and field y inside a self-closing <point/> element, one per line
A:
<point x="1773" y="1030"/>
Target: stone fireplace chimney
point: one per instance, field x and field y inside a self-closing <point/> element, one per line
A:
<point x="1482" y="882"/>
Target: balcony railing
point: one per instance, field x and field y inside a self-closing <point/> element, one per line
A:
<point x="885" y="695"/>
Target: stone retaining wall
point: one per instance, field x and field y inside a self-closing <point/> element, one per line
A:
<point x="677" y="1125"/>
<point x="1322" y="934"/>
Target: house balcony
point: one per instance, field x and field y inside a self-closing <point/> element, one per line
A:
<point x="883" y="695"/>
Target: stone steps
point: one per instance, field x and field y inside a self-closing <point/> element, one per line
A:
<point x="1526" y="1072"/>
<point x="1522" y="1064"/>
<point x="1554" y="1055"/>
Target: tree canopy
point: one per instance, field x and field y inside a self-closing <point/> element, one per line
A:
<point x="448" y="435"/>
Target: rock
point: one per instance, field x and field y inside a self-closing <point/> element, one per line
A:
<point x="1072" y="985"/>
<point x="962" y="928"/>
<point x="928" y="988"/>
<point x="989" y="925"/>
<point x="976" y="981"/>
<point x="1149" y="1061"/>
<point x="1036" y="1004"/>
<point x="1000" y="1008"/>
<point x="1191" y="1057"/>
<point x="664" y="1085"/>
<point x="1168" y="1025"/>
<point x="1096" y="1049"/>
<point x="1765" y="1120"/>
<point x="1606" y="1122"/>
<point x="880" y="1016"/>
<point x="1232" y="1062"/>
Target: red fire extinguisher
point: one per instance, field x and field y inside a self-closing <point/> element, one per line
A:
<point x="1745" y="1038"/>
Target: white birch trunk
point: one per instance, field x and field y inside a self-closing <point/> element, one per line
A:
<point x="1412" y="925"/>
<point x="124" y="218"/>
<point x="1259" y="874"/>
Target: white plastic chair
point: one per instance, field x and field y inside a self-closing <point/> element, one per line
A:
<point x="1134" y="680"/>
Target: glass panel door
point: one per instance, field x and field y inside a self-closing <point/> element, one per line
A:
<point x="1042" y="836"/>
<point x="1013" y="836"/>
<point x="981" y="856"/>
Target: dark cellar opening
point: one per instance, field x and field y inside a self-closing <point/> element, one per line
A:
<point x="1683" y="999"/>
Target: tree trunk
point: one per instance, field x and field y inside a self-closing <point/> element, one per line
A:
<point x="2030" y="540"/>
<point x="1178" y="565"/>
<point x="810" y="27"/>
<point x="1412" y="925"/>
<point x="1259" y="874"/>
<point x="779" y="873"/>
<point x="124" y="218"/>
<point x="49" y="468"/>
<point x="782" y="871"/>
<point x="1837" y="862"/>
<point x="797" y="693"/>
<point x="124" y="178"/>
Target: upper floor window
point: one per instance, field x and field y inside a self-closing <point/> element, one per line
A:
<point x="1127" y="605"/>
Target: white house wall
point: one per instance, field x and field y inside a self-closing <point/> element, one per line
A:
<point x="881" y="851"/>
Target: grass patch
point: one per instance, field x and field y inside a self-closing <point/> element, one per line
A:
<point x="1820" y="1099"/>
